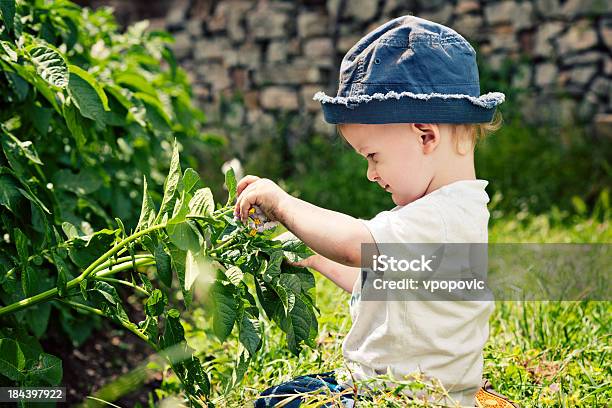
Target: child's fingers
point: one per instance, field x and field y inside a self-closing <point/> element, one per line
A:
<point x="244" y="182"/>
<point x="246" y="199"/>
<point x="304" y="263"/>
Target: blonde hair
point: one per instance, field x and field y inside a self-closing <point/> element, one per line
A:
<point x="474" y="132"/>
<point x="471" y="133"/>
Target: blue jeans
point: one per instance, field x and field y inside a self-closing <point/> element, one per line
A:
<point x="302" y="384"/>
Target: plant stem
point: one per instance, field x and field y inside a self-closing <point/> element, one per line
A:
<point x="125" y="283"/>
<point x="32" y="257"/>
<point x="223" y="245"/>
<point x="121" y="260"/>
<point x="113" y="251"/>
<point x="99" y="312"/>
<point x="225" y="212"/>
<point x="51" y="293"/>
<point x="122" y="267"/>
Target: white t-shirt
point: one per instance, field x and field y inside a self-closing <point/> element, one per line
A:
<point x="442" y="339"/>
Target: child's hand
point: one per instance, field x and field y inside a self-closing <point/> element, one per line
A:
<point x="255" y="191"/>
<point x="309" y="262"/>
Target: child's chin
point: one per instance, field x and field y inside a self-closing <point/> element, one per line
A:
<point x="399" y="200"/>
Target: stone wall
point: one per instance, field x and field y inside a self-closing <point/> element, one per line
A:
<point x="253" y="60"/>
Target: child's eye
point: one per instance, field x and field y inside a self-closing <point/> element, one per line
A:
<point x="371" y="156"/>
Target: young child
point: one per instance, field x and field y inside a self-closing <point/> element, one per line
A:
<point x="409" y="102"/>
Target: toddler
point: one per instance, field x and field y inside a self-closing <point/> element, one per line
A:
<point x="409" y="102"/>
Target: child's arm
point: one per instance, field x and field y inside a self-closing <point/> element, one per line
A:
<point x="332" y="234"/>
<point x="342" y="275"/>
<point x="335" y="236"/>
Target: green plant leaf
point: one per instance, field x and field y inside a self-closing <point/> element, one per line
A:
<point x="295" y="250"/>
<point x="21" y="243"/>
<point x="12" y="359"/>
<point x="135" y="82"/>
<point x="47" y="370"/>
<point x="230" y="183"/>
<point x="202" y="203"/>
<point x="86" y="97"/>
<point x="238" y="371"/>
<point x="70" y="230"/>
<point x="249" y="333"/>
<point x="184" y="236"/>
<point x="147" y="210"/>
<point x="286" y="296"/>
<point x="75" y="123"/>
<point x="171" y="184"/>
<point x="234" y="275"/>
<point x="195" y="264"/>
<point x="225" y="309"/>
<point x="83" y="183"/>
<point x="181" y="209"/>
<point x="25" y="149"/>
<point x="163" y="264"/>
<point x="178" y="258"/>
<point x="174" y="332"/>
<point x="9" y="195"/>
<point x="190" y="180"/>
<point x="108" y="292"/>
<point x="8" y="49"/>
<point x="38" y="318"/>
<point x="62" y="273"/>
<point x="93" y="82"/>
<point x="196" y="380"/>
<point x="291" y="282"/>
<point x="7" y="9"/>
<point x="274" y="265"/>
<point x="50" y="65"/>
<point x="85" y="250"/>
<point x="19" y="85"/>
<point x="297" y="325"/>
<point x="156" y="303"/>
<point x="30" y="280"/>
<point x="153" y="104"/>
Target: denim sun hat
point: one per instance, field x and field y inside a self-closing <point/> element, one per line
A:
<point x="410" y="70"/>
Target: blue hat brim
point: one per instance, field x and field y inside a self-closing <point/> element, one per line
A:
<point x="407" y="107"/>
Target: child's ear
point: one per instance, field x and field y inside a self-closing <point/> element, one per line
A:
<point x="429" y="136"/>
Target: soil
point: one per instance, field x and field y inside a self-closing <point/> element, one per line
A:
<point x="104" y="357"/>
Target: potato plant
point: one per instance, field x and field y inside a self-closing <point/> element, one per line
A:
<point x="89" y="118"/>
<point x="188" y="235"/>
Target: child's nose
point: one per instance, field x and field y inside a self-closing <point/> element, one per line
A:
<point x="371" y="174"/>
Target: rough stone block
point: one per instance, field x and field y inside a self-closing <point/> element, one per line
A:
<point x="279" y="97"/>
<point x="284" y="74"/>
<point x="267" y="23"/>
<point x="467" y="6"/>
<point x="216" y="75"/>
<point x="319" y="48"/>
<point x="441" y="15"/>
<point x="520" y="15"/>
<point x="306" y="94"/>
<point x="361" y="10"/>
<point x="312" y="24"/>
<point x="544" y="37"/>
<point x="182" y="46"/>
<point x="545" y="74"/>
<point x="208" y="49"/>
<point x="469" y="26"/>
<point x="580" y="36"/>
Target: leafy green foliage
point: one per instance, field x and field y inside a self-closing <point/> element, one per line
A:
<point x="217" y="247"/>
<point x="89" y="118"/>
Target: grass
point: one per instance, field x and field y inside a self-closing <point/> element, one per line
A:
<point x="539" y="353"/>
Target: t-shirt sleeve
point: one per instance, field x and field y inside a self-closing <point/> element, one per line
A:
<point x="409" y="224"/>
